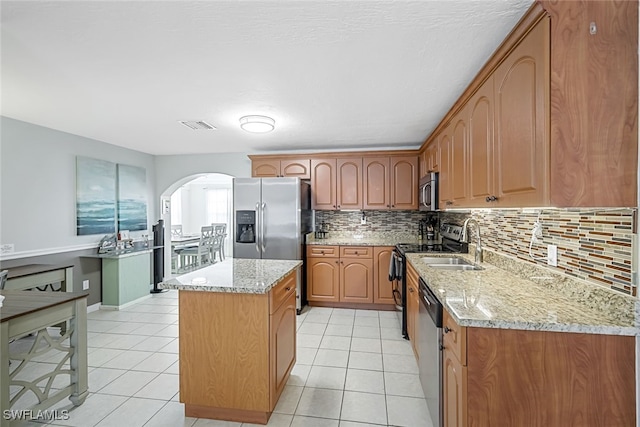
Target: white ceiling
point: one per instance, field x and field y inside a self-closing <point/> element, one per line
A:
<point x="335" y="75"/>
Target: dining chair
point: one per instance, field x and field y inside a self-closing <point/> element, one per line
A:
<point x="221" y="229"/>
<point x="196" y="256"/>
<point x="216" y="247"/>
<point x="3" y="278"/>
<point x="176" y="230"/>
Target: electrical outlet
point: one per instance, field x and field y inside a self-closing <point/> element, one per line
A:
<point x="363" y="220"/>
<point x="552" y="255"/>
<point x="7" y="248"/>
<point x="536" y="232"/>
<point x="85" y="285"/>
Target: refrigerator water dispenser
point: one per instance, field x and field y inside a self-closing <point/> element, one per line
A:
<point x="245" y="226"/>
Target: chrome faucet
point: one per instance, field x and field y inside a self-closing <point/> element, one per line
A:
<point x="464" y="238"/>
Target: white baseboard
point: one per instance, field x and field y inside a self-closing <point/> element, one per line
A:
<point x="93" y="307"/>
<point x="123" y="306"/>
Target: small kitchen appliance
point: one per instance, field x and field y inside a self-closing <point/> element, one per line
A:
<point x="428" y="192"/>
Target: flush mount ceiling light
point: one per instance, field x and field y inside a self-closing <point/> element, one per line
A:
<point x="257" y="124"/>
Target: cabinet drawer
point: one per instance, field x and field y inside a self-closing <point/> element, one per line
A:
<point x="281" y="291"/>
<point x="356" y="251"/>
<point x="454" y="337"/>
<point x="318" y="251"/>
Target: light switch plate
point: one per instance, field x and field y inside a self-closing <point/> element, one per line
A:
<point x="85" y="285"/>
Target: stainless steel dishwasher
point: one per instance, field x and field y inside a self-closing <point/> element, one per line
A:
<point x="430" y="351"/>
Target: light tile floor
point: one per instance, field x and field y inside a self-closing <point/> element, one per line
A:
<point x="353" y="370"/>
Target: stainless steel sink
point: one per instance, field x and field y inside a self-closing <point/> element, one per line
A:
<point x="444" y="260"/>
<point x="450" y="263"/>
<point x="456" y="267"/>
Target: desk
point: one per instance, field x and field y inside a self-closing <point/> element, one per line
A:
<point x="26" y="312"/>
<point x="38" y="275"/>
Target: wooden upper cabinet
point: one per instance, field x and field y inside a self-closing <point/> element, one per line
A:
<point x="423" y="163"/>
<point x="481" y="169"/>
<point x="458" y="161"/>
<point x="444" y="180"/>
<point x="521" y="88"/>
<point x="375" y="173"/>
<point x="300" y="168"/>
<point x="404" y="182"/>
<point x="349" y="183"/>
<point x="433" y="156"/>
<point x="270" y="167"/>
<point x="594" y="103"/>
<point x="323" y="184"/>
<point x="265" y="168"/>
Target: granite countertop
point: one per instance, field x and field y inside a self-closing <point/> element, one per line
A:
<point x="244" y="276"/>
<point x="528" y="298"/>
<point x="368" y="239"/>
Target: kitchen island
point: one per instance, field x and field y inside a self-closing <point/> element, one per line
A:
<point x="237" y="337"/>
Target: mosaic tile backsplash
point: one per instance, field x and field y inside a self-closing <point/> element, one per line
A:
<point x="594" y="245"/>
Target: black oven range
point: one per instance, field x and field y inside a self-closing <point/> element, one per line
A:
<point x="450" y="243"/>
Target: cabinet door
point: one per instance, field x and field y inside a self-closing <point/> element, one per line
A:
<point x="404" y="182"/>
<point x="521" y="110"/>
<point x="433" y="156"/>
<point x="300" y="168"/>
<point x="323" y="275"/>
<point x="375" y="172"/>
<point x="349" y="182"/>
<point x="454" y="382"/>
<point x="265" y="168"/>
<point x="282" y="345"/>
<point x="457" y="160"/>
<point x="445" y="169"/>
<point x="480" y="109"/>
<point x="423" y="163"/>
<point x="356" y="281"/>
<point x="323" y="184"/>
<point x="382" y="287"/>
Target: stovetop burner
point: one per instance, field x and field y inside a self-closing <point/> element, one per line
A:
<point x="450" y="234"/>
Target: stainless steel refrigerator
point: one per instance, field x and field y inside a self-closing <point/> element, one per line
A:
<point x="272" y="217"/>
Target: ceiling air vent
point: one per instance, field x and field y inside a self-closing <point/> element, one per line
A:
<point x="197" y="125"/>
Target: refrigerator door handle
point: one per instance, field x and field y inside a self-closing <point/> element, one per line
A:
<point x="257" y="230"/>
<point x="263" y="228"/>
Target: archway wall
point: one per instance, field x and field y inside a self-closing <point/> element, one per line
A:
<point x="173" y="171"/>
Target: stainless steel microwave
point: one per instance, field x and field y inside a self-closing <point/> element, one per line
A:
<point x="428" y="192"/>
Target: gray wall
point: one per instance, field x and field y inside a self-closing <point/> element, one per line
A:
<point x="37" y="197"/>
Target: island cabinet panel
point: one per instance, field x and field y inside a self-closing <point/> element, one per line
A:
<point x="481" y="169"/>
<point x="413" y="307"/>
<point x="217" y="368"/>
<point x="404" y="182"/>
<point x="236" y="351"/>
<point x="537" y="378"/>
<point x="382" y="287"/>
<point x="349" y="183"/>
<point x="375" y="172"/>
<point x="283" y="344"/>
<point x="594" y="103"/>
<point x="521" y="87"/>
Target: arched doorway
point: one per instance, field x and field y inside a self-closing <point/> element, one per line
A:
<point x="189" y="204"/>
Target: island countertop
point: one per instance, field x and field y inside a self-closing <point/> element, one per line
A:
<point x="497" y="298"/>
<point x="246" y="276"/>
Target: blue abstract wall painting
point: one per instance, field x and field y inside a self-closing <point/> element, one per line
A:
<point x="95" y="196"/>
<point x="132" y="198"/>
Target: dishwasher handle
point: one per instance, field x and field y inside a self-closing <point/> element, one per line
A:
<point x="431" y="303"/>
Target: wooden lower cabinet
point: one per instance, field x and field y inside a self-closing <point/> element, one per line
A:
<point x="413" y="307"/>
<point x="323" y="277"/>
<point x="537" y="378"/>
<point x="359" y="275"/>
<point x="236" y="351"/>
